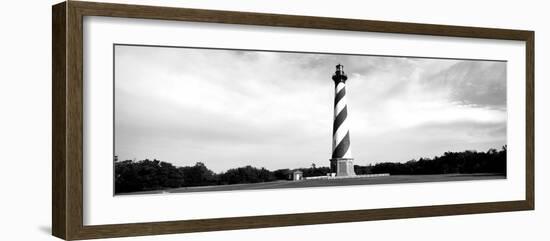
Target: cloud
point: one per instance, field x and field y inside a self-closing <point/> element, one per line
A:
<point x="474" y="83"/>
<point x="274" y="109"/>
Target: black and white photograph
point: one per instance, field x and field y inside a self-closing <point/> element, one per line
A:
<point x="190" y="119"/>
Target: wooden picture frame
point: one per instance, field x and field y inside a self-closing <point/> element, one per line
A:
<point x="67" y="123"/>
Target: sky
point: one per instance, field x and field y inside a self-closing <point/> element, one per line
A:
<point x="232" y="108"/>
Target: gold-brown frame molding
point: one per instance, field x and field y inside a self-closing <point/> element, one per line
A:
<point x="67" y="121"/>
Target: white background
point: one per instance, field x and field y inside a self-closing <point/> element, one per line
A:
<point x="25" y="124"/>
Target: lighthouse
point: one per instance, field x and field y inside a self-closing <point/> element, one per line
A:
<point x="341" y="162"/>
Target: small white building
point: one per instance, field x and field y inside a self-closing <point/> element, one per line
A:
<point x="297" y="175"/>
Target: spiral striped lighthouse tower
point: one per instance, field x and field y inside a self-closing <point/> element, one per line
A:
<point x="341" y="162"/>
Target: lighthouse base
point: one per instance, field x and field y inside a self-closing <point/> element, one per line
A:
<point x="342" y="166"/>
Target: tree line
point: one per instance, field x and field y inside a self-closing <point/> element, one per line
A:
<point x="144" y="175"/>
<point x="492" y="161"/>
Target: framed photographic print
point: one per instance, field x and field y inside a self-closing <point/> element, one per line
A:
<point x="218" y="120"/>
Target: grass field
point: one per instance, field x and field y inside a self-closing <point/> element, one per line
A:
<point x="332" y="182"/>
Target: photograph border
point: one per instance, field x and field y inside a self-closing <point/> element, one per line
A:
<point x="67" y="119"/>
